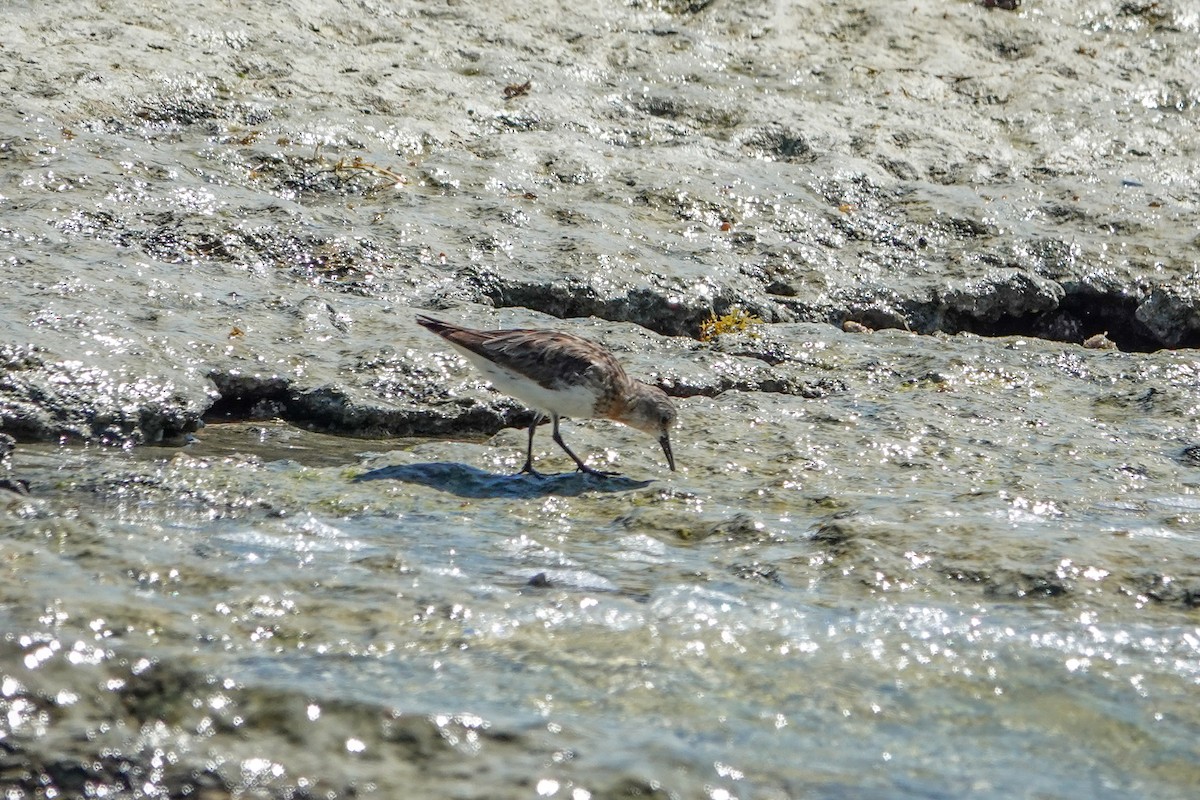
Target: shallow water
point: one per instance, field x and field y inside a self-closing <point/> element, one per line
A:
<point x="887" y="614"/>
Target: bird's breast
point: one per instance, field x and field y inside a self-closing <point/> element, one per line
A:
<point x="577" y="401"/>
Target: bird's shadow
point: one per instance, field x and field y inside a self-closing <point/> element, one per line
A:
<point x="466" y="481"/>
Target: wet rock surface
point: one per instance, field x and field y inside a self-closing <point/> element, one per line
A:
<point x="912" y="483"/>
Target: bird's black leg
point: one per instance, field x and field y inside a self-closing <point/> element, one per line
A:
<point x="578" y="461"/>
<point x="528" y="468"/>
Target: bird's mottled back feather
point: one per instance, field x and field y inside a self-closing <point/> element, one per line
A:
<point x="553" y="359"/>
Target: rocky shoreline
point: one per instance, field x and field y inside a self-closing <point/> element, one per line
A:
<point x="197" y="278"/>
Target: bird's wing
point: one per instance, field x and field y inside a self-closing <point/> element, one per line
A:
<point x="551" y="358"/>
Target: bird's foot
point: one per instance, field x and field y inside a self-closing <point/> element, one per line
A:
<point x="529" y="470"/>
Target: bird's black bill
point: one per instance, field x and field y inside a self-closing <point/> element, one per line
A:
<point x="665" y="441"/>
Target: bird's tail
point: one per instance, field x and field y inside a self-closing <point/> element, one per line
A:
<point x="442" y="329"/>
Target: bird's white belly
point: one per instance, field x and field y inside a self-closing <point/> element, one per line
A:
<point x="577" y="402"/>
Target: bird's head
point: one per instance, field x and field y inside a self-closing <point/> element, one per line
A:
<point x="651" y="411"/>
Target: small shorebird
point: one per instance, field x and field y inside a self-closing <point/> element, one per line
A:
<point x="560" y="374"/>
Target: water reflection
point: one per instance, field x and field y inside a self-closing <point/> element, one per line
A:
<point x="467" y="481"/>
